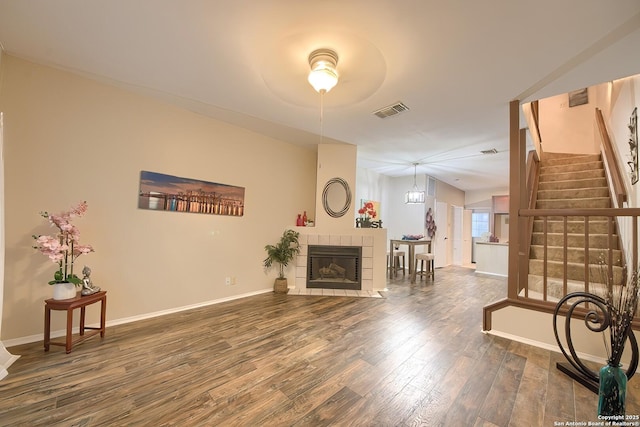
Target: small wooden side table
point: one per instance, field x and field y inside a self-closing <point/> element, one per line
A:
<point x="69" y="305"/>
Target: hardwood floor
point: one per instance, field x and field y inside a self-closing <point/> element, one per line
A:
<point x="415" y="357"/>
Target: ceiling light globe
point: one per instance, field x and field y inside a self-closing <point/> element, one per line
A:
<point x="323" y="78"/>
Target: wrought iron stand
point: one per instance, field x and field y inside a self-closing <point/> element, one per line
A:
<point x="596" y="319"/>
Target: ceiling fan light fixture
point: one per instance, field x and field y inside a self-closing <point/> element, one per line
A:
<point x="414" y="196"/>
<point x="323" y="75"/>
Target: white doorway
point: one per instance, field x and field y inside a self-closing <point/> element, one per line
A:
<point x="480" y="226"/>
<point x="466" y="238"/>
<point x="456" y="232"/>
<point x="442" y="238"/>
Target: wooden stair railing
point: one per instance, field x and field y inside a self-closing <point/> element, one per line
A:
<point x="518" y="271"/>
<point x="532" y="177"/>
<point x="546" y="304"/>
<point x="616" y="184"/>
<point x="619" y="192"/>
<point x="535" y="112"/>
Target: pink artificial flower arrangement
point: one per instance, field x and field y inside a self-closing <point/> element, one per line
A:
<point x="64" y="247"/>
<point x="367" y="210"/>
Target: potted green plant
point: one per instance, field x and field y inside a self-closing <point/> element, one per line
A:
<point x="282" y="253"/>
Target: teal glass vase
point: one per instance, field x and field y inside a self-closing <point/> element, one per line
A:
<point x="612" y="390"/>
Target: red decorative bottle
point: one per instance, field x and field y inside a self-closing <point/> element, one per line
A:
<point x="304" y="218"/>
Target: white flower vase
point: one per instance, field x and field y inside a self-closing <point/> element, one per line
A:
<point x="64" y="290"/>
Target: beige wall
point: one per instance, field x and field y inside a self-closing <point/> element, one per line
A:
<point x="624" y="96"/>
<point x="1" y="216"/>
<point x="336" y="161"/>
<point x="69" y="139"/>
<point x="565" y="129"/>
<point x="450" y="194"/>
<point x="483" y="198"/>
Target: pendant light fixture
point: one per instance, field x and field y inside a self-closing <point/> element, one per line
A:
<point x="323" y="75"/>
<point x="414" y="196"/>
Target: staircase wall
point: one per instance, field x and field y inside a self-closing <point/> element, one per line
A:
<point x="534" y="328"/>
<point x="567" y="129"/>
<point x="618" y="99"/>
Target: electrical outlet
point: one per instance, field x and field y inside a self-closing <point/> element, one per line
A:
<point x="233" y="281"/>
<point x="227" y="281"/>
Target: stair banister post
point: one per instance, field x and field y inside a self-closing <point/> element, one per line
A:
<point x="515" y="158"/>
<point x="523" y="224"/>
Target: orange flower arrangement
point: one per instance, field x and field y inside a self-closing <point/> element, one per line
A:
<point x="368" y="211"/>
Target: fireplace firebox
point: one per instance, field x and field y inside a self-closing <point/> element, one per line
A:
<point x="334" y="267"/>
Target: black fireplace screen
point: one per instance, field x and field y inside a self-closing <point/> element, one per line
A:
<point x="334" y="267"/>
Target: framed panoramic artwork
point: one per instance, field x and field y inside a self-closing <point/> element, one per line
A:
<point x="162" y="192"/>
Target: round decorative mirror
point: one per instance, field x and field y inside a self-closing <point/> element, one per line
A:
<point x="336" y="197"/>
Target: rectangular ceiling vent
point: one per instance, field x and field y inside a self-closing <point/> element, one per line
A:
<point x="492" y="151"/>
<point x="391" y="110"/>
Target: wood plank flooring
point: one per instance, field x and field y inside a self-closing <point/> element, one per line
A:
<point x="414" y="358"/>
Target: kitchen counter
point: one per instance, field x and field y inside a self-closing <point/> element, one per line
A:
<point x="492" y="258"/>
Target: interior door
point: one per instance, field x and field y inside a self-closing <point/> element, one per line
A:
<point x="442" y="229"/>
<point x="456" y="233"/>
<point x="466" y="237"/>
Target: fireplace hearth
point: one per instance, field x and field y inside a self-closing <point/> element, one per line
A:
<point x="334" y="267"/>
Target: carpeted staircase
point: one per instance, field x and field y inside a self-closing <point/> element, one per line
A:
<point x="571" y="181"/>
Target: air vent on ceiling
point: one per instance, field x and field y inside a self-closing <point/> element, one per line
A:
<point x="492" y="151"/>
<point x="391" y="110"/>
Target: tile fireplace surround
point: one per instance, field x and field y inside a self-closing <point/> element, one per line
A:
<point x="372" y="242"/>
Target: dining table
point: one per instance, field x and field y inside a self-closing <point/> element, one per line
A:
<point x="411" y="246"/>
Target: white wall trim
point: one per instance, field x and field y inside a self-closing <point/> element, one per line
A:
<point x="544" y="345"/>
<point x="6" y="358"/>
<point x="62" y="332"/>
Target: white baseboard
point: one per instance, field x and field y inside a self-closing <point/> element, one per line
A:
<point x="544" y="345"/>
<point x="62" y="332"/>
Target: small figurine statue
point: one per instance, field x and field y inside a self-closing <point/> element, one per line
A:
<point x="87" y="286"/>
